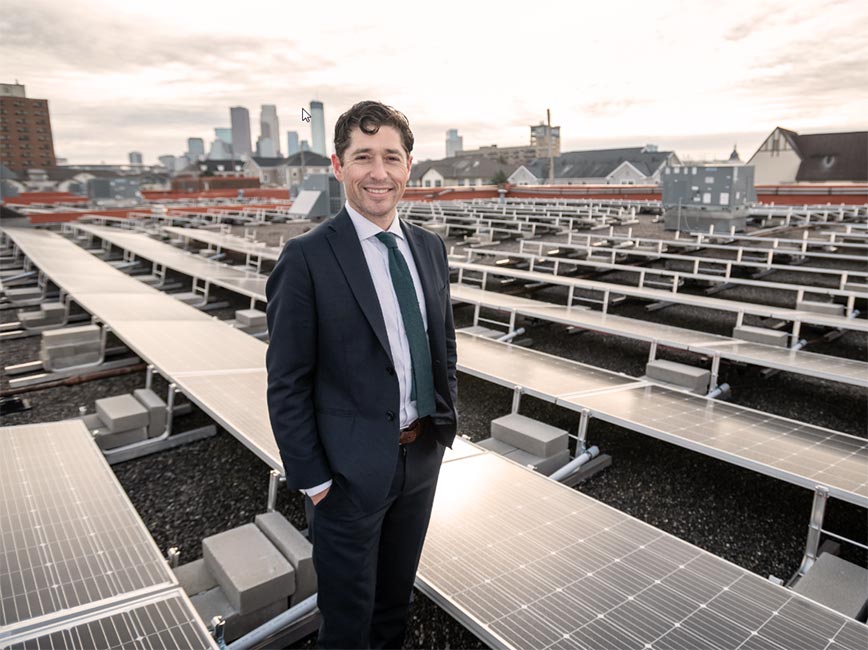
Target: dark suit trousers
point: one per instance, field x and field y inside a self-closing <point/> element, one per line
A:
<point x="366" y="561"/>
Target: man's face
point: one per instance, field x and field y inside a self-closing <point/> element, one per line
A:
<point x="374" y="172"/>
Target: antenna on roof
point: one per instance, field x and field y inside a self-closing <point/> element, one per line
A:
<point x="551" y="156"/>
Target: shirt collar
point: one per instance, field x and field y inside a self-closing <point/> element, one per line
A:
<point x="365" y="228"/>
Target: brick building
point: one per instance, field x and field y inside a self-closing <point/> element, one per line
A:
<point x="25" y="130"/>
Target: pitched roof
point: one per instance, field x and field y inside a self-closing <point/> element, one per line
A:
<point x="311" y="159"/>
<point x="599" y="163"/>
<point x="464" y="167"/>
<point x="833" y="157"/>
<point x="262" y="161"/>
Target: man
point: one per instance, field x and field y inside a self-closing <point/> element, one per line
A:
<point x="361" y="382"/>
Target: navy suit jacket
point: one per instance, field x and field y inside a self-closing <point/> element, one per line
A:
<point x="333" y="395"/>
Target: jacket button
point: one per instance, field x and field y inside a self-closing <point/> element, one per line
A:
<point x="390" y="415"/>
<point x="390" y="370"/>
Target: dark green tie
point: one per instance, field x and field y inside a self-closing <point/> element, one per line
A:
<point x="420" y="354"/>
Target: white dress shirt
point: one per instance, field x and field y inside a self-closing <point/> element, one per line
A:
<point x="377" y="257"/>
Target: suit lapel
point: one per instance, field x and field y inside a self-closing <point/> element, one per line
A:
<point x="348" y="251"/>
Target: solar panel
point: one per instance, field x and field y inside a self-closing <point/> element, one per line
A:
<point x="228" y="242"/>
<point x="166" y="621"/>
<point x="236" y="399"/>
<point x="542" y="375"/>
<point x="192" y="346"/>
<point x="797" y="452"/>
<point x="815" y="365"/>
<point x="116" y="307"/>
<point x="69" y="535"/>
<point x="530" y="563"/>
<point x="240" y="280"/>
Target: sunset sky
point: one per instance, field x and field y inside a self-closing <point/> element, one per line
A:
<point x="693" y="77"/>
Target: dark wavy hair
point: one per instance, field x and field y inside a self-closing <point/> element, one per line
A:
<point x="369" y="116"/>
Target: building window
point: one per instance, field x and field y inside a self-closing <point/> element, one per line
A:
<point x="438" y="183"/>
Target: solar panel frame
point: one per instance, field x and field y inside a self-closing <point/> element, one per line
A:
<point x="228" y="242"/>
<point x="841" y="463"/>
<point x="570" y="572"/>
<point x="70" y="536"/>
<point x="165" y="620"/>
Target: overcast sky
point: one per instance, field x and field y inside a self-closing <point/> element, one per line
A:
<point x="693" y="77"/>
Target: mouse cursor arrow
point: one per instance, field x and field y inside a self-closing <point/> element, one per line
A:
<point x="305" y="116"/>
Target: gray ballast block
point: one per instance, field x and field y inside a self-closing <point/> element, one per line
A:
<point x="497" y="446"/>
<point x="71" y="336"/>
<point x="194" y="577"/>
<point x="543" y="465"/>
<point x="837" y="584"/>
<point x="762" y="335"/>
<point x="54" y="312"/>
<point x="249" y="569"/>
<point x="534" y="437"/>
<point x="829" y="308"/>
<point x="250" y="318"/>
<point x="690" y="377"/>
<point x="107" y="440"/>
<point x="295" y="548"/>
<point x="23" y="293"/>
<point x="214" y="602"/>
<point x="188" y="297"/>
<point x="121" y="413"/>
<point x="156" y="408"/>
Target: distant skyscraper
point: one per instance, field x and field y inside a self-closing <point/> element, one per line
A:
<point x="265" y="148"/>
<point x="168" y="161"/>
<point x="220" y="150"/>
<point x="135" y="157"/>
<point x="292" y="143"/>
<point x="224" y="134"/>
<point x="195" y="148"/>
<point x="304" y="146"/>
<point x="317" y="128"/>
<point x="241" y="144"/>
<point x="269" y="127"/>
<point x="454" y="143"/>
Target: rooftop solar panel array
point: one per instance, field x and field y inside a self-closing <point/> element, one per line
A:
<point x="530" y="563"/>
<point x="799" y="361"/>
<point x="73" y="549"/>
<point x="245" y="282"/>
<point x="227" y="242"/>
<point x="793" y="451"/>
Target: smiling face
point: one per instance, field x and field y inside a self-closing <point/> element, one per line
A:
<point x="374" y="171"/>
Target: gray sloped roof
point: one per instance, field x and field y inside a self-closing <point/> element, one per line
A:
<point x="311" y="159"/>
<point x="833" y="157"/>
<point x="599" y="163"/>
<point x="463" y="167"/>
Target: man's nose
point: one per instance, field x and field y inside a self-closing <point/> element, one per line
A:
<point x="378" y="168"/>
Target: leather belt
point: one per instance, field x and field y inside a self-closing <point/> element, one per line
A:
<point x="410" y="433"/>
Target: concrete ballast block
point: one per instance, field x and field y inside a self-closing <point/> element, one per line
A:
<point x="121" y="413"/>
<point x="828" y="308"/>
<point x="497" y="446"/>
<point x="295" y="548"/>
<point x="543" y="465"/>
<point x="836" y="583"/>
<point x="249" y="569"/>
<point x="156" y="408"/>
<point x="194" y="577"/>
<point x="762" y="335"/>
<point x="534" y="437"/>
<point x="690" y="377"/>
<point x="71" y="336"/>
<point x="214" y="602"/>
<point x="250" y="318"/>
<point x="108" y="440"/>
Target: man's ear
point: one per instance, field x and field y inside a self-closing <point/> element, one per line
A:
<point x="336" y="166"/>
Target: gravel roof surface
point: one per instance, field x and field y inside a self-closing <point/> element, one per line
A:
<point x="755" y="521"/>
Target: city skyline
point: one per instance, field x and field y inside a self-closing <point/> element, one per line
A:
<point x="696" y="80"/>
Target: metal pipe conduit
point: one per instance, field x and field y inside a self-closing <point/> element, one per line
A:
<point x="575" y="464"/>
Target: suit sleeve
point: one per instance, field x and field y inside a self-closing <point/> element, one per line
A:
<point x="451" y="347"/>
<point x="290" y="361"/>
